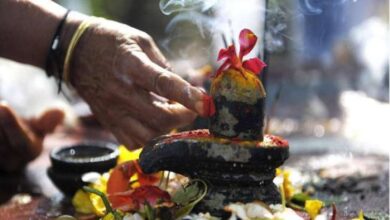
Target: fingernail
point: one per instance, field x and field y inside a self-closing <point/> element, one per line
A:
<point x="206" y="106"/>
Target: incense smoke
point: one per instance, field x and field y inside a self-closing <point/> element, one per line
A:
<point x="312" y="7"/>
<point x="171" y="6"/>
<point x="199" y="27"/>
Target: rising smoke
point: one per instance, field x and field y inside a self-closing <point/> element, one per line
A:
<point x="203" y="24"/>
<point x="173" y="6"/>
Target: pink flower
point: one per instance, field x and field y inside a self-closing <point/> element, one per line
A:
<point x="247" y="41"/>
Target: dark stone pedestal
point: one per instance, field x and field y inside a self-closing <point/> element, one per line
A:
<point x="220" y="195"/>
<point x="235" y="171"/>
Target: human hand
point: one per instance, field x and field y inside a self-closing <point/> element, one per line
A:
<point x="125" y="79"/>
<point x="21" y="140"/>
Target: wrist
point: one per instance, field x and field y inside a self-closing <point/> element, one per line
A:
<point x="26" y="29"/>
<point x="71" y="37"/>
<point x="71" y="24"/>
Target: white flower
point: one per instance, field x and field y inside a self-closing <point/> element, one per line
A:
<point x="134" y="216"/>
<point x="321" y="217"/>
<point x="276" y="208"/>
<point x="255" y="210"/>
<point x="248" y="211"/>
<point x="200" y="216"/>
<point x="287" y="214"/>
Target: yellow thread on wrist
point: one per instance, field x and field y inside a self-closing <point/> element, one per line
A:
<point x="72" y="45"/>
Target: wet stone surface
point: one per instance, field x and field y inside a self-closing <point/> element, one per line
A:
<point x="237" y="119"/>
<point x="234" y="171"/>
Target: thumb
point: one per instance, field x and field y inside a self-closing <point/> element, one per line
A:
<point x="47" y="122"/>
<point x="18" y="135"/>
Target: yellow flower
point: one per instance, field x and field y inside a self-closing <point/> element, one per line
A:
<point x="288" y="188"/>
<point x="313" y="207"/>
<point x="109" y="216"/>
<point x="126" y="155"/>
<point x="88" y="203"/>
<point x="82" y="203"/>
<point x="360" y="217"/>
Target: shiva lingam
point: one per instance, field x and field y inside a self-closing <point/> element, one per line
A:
<point x="233" y="157"/>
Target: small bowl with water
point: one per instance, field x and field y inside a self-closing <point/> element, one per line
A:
<point x="71" y="162"/>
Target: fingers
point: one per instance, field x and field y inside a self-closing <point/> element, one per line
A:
<point x="154" y="111"/>
<point x="135" y="132"/>
<point x="136" y="118"/>
<point x="127" y="129"/>
<point x="124" y="139"/>
<point x="20" y="143"/>
<point x="148" y="45"/>
<point x="47" y="122"/>
<point x="153" y="77"/>
<point x="15" y="130"/>
<point x="176" y="115"/>
<point x="173" y="87"/>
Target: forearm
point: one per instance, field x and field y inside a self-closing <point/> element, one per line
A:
<point x="27" y="28"/>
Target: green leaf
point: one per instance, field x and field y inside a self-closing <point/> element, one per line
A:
<point x="149" y="211"/>
<point x="295" y="206"/>
<point x="65" y="217"/>
<point x="300" y="199"/>
<point x="283" y="195"/>
<point x="189" y="196"/>
<point x="186" y="194"/>
<point x="105" y="201"/>
<point x="334" y="199"/>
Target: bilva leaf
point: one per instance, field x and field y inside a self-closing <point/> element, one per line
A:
<point x="189" y="196"/>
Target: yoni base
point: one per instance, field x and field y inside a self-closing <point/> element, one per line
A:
<point x="218" y="196"/>
<point x="235" y="171"/>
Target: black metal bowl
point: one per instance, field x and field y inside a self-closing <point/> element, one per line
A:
<point x="71" y="162"/>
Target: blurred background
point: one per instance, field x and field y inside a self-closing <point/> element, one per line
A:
<point x="328" y="77"/>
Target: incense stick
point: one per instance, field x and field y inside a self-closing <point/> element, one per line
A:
<point x="273" y="109"/>
<point x="231" y="32"/>
<point x="265" y="57"/>
<point x="225" y="43"/>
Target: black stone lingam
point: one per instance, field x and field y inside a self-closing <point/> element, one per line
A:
<point x="234" y="157"/>
<point x="239" y="103"/>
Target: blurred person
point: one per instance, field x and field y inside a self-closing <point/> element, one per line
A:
<point x="21" y="139"/>
<point x="116" y="69"/>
